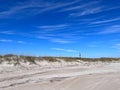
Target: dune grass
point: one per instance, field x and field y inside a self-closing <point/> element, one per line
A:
<point x="32" y="59"/>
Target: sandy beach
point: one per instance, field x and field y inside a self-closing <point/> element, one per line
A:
<point x="83" y="76"/>
<point x="109" y="81"/>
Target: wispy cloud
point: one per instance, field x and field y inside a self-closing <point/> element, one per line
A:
<point x="116" y="46"/>
<point x="106" y="21"/>
<point x="62" y="41"/>
<point x="31" y="8"/>
<point x="13" y="41"/>
<point x="6" y="40"/>
<point x="54" y="27"/>
<point x="78" y="7"/>
<point x="20" y="7"/>
<point x="63" y="38"/>
<point x="57" y="33"/>
<point x="22" y="42"/>
<point x="114" y="29"/>
<point x="92" y="10"/>
<point x="34" y="8"/>
<point x="7" y="32"/>
<point x="59" y="5"/>
<point x="111" y="30"/>
<point x="65" y="50"/>
<point x="55" y="39"/>
<point x="96" y="44"/>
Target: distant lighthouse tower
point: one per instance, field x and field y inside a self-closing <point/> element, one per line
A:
<point x="79" y="55"/>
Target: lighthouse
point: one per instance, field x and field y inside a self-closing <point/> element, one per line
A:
<point x="79" y="55"/>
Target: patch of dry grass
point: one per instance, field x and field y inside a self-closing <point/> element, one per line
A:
<point x="32" y="59"/>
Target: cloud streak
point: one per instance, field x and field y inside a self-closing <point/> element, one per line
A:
<point x="106" y="21"/>
<point x="34" y="8"/>
<point x="92" y="9"/>
<point x="62" y="41"/>
<point x="59" y="5"/>
<point x="55" y="39"/>
<point x="13" y="41"/>
<point x="57" y="33"/>
<point x="54" y="27"/>
<point x="31" y="8"/>
<point x="116" y="46"/>
<point x="64" y="50"/>
<point x="7" y="32"/>
<point x="111" y="30"/>
<point x="6" y="40"/>
<point x="79" y="7"/>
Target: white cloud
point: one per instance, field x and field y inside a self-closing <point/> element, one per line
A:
<point x="34" y="8"/>
<point x="79" y="7"/>
<point x="56" y="33"/>
<point x="62" y="38"/>
<point x="31" y="8"/>
<point x="5" y="40"/>
<point x="116" y="46"/>
<point x="7" y="32"/>
<point x="92" y="10"/>
<point x="55" y="39"/>
<point x="65" y="50"/>
<point x="20" y="7"/>
<point x="111" y="30"/>
<point x="13" y="41"/>
<point x="54" y="27"/>
<point x="96" y="44"/>
<point x="22" y="42"/>
<point x="62" y="41"/>
<point x="58" y="5"/>
<point x="106" y="21"/>
<point x="114" y="29"/>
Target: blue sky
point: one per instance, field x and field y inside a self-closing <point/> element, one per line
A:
<point x="60" y="27"/>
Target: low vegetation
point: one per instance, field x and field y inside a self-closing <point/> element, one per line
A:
<point x="31" y="59"/>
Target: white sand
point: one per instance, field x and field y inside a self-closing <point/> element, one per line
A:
<point x="109" y="81"/>
<point x="85" y="76"/>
